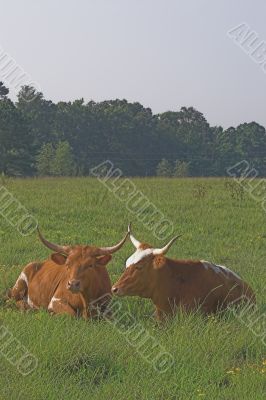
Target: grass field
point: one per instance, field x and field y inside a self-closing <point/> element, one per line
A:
<point x="214" y="358"/>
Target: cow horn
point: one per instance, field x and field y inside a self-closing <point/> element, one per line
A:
<point x="165" y="249"/>
<point x="134" y="241"/>
<point x="109" y="250"/>
<point x="52" y="246"/>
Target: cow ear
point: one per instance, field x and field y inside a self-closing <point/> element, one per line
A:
<point x="103" y="260"/>
<point x="58" y="258"/>
<point x="158" y="262"/>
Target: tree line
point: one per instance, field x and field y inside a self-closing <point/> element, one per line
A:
<point x="44" y="138"/>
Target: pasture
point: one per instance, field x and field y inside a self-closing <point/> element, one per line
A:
<point x="214" y="358"/>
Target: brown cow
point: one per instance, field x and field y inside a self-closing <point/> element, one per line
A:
<point x="186" y="284"/>
<point x="74" y="277"/>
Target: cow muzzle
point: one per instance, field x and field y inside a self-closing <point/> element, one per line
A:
<point x="73" y="285"/>
<point x="117" y="291"/>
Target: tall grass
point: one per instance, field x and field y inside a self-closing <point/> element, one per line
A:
<point x="214" y="358"/>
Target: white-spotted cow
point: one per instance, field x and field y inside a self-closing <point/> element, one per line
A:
<point x="173" y="284"/>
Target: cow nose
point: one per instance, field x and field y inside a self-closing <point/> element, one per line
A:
<point x="73" y="285"/>
<point x="114" y="289"/>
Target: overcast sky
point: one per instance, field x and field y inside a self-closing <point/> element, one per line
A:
<point x="163" y="53"/>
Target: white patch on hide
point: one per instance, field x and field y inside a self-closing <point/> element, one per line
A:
<point x="219" y="269"/>
<point x="30" y="303"/>
<point x="138" y="256"/>
<point x="50" y="306"/>
<point x="22" y="277"/>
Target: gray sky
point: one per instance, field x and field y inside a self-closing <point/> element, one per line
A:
<point x="163" y="53"/>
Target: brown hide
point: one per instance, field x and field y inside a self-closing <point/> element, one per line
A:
<point x="69" y="282"/>
<point x="185" y="284"/>
<point x="40" y="283"/>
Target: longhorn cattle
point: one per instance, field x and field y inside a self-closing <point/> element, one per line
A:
<point x="185" y="284"/>
<point x="68" y="282"/>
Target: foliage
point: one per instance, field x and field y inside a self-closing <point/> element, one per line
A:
<point x="3" y="90"/>
<point x="45" y="159"/>
<point x="178" y="169"/>
<point x="181" y="169"/>
<point x="128" y="134"/>
<point x="164" y="168"/>
<point x="63" y="163"/>
<point x="15" y="141"/>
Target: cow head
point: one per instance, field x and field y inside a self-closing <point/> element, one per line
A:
<point x="141" y="273"/>
<point x="81" y="261"/>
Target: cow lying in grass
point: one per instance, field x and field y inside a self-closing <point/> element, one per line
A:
<point x="185" y="284"/>
<point x="74" y="277"/>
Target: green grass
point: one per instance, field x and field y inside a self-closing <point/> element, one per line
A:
<point x="214" y="358"/>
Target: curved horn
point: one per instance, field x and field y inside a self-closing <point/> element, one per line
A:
<point x="134" y="241"/>
<point x="52" y="246"/>
<point x="165" y="249"/>
<point x="109" y="250"/>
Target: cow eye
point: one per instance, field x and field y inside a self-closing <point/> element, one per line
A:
<point x="85" y="266"/>
<point x="139" y="266"/>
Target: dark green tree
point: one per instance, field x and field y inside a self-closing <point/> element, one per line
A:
<point x="3" y="91"/>
<point x="40" y="114"/>
<point x="45" y="160"/>
<point x="63" y="163"/>
<point x="15" y="141"/>
<point x="128" y="134"/>
<point x="251" y="145"/>
<point x="181" y="169"/>
<point x="164" y="168"/>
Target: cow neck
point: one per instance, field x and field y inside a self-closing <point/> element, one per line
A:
<point x="157" y="287"/>
<point x="85" y="304"/>
<point x="91" y="293"/>
<point x="58" y="281"/>
<point x="160" y="291"/>
<point x="86" y="297"/>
